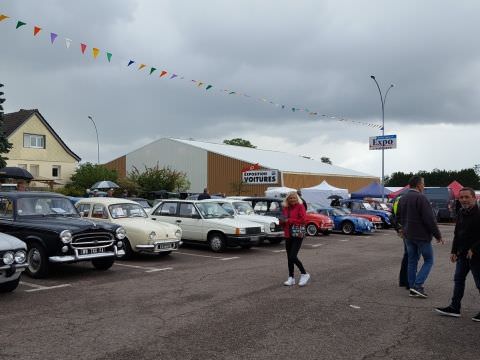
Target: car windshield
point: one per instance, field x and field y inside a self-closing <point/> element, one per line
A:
<point x="45" y="206"/>
<point x="347" y="211"/>
<point x="368" y="206"/>
<point x="243" y="208"/>
<point x="143" y="203"/>
<point x="126" y="210"/>
<point x="339" y="212"/>
<point x="383" y="206"/>
<point x="212" y="210"/>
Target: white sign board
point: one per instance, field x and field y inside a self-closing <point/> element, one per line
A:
<point x="383" y="142"/>
<point x="260" y="177"/>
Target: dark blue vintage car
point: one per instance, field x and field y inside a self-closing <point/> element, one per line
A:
<point x="362" y="207"/>
<point x="343" y="222"/>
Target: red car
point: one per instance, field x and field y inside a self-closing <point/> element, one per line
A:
<point x="318" y="223"/>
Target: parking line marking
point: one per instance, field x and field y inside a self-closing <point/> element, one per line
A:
<point x="316" y="245"/>
<point x="31" y="285"/>
<point x="230" y="258"/>
<point x="146" y="268"/>
<point x="344" y="240"/>
<point x="205" y="256"/>
<point x="162" y="269"/>
<point x="42" y="288"/>
<point x="279" y="251"/>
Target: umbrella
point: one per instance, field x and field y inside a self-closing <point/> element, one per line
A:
<point x="105" y="184"/>
<point x="336" y="197"/>
<point x="12" y="172"/>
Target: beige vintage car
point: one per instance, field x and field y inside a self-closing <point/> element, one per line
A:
<point x="143" y="234"/>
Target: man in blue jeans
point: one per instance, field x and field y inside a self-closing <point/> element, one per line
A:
<point x="465" y="251"/>
<point x="418" y="225"/>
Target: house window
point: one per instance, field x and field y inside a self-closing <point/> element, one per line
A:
<point x="34" y="170"/>
<point x="34" y="141"/>
<point x="56" y="171"/>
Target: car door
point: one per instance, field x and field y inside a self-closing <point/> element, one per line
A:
<point x="6" y="217"/>
<point x="166" y="212"/>
<point x="190" y="221"/>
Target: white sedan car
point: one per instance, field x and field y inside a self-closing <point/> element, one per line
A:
<point x="143" y="234"/>
<point x="13" y="260"/>
<point x="243" y="210"/>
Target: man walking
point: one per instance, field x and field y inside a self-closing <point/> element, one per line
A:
<point x="465" y="251"/>
<point x="418" y="226"/>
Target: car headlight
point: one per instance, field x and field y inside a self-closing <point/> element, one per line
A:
<point x="239" y="231"/>
<point x="20" y="256"/>
<point x="66" y="236"/>
<point x="178" y="234"/>
<point x="8" y="258"/>
<point x="272" y="227"/>
<point x="120" y="233"/>
<point x="152" y="235"/>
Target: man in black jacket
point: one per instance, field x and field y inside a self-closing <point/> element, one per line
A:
<point x="418" y="224"/>
<point x="465" y="251"/>
<point x="204" y="195"/>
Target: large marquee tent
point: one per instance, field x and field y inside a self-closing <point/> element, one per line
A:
<point x="323" y="193"/>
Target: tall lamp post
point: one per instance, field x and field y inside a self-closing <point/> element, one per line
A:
<point x="383" y="99"/>
<point x="98" y="144"/>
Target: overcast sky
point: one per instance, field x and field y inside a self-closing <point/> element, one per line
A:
<point x="317" y="55"/>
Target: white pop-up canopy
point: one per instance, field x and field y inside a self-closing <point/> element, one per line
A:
<point x="278" y="191"/>
<point x="323" y="193"/>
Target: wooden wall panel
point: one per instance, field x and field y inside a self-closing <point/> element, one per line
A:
<point x="120" y="165"/>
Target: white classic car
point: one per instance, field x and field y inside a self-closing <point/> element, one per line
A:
<point x="13" y="257"/>
<point x="143" y="234"/>
<point x="208" y="223"/>
<point x="243" y="210"/>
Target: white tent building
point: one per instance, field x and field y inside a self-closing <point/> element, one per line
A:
<point x="320" y="193"/>
<point x="278" y="191"/>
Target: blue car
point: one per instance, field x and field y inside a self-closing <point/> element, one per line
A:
<point x="362" y="207"/>
<point x="345" y="223"/>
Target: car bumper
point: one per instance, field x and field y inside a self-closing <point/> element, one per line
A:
<point x="326" y="227"/>
<point x="159" y="246"/>
<point x="275" y="235"/>
<point x="11" y="272"/>
<point x="78" y="257"/>
<point x="235" y="240"/>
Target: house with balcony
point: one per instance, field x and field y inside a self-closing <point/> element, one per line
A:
<point x="39" y="149"/>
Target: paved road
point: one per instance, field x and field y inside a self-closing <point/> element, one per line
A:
<point x="199" y="305"/>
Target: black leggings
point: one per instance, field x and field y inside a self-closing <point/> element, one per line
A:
<point x="293" y="245"/>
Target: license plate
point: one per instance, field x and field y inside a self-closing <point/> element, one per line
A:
<point x="164" y="246"/>
<point x="91" y="251"/>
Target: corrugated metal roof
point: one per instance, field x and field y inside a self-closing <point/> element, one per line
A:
<point x="270" y="159"/>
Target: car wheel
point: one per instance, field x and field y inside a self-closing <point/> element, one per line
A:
<point x="128" y="250"/>
<point x="275" y="241"/>
<point x="348" y="228"/>
<point x="326" y="232"/>
<point x="103" y="264"/>
<point x="9" y="286"/>
<point x="312" y="229"/>
<point x="217" y="242"/>
<point x="38" y="265"/>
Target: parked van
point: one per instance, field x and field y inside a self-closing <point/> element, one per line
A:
<point x="443" y="202"/>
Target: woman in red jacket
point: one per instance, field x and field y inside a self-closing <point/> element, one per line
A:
<point x="294" y="229"/>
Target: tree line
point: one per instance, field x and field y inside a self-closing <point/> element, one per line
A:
<point x="437" y="177"/>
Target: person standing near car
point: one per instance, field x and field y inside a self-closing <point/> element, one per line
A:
<point x="299" y="193"/>
<point x="418" y="225"/>
<point x="204" y="195"/>
<point x="465" y="251"/>
<point x="294" y="218"/>
<point x="403" y="275"/>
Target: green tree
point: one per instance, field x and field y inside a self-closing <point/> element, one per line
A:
<point x="88" y="174"/>
<point x="239" y="142"/>
<point x="326" y="160"/>
<point x="437" y="177"/>
<point x="156" y="178"/>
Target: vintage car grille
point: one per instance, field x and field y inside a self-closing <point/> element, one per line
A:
<point x="92" y="240"/>
<point x="254" y="230"/>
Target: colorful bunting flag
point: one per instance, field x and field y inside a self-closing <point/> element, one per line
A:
<point x="3" y="17"/>
<point x="130" y="62"/>
<point x="19" y="24"/>
<point x="83" y="47"/>
<point x="173" y="76"/>
<point x="152" y="70"/>
<point x="208" y="87"/>
<point x="199" y="84"/>
<point x="231" y="93"/>
<point x="163" y="73"/>
<point x="109" y="56"/>
<point x="95" y="52"/>
<point x="36" y="30"/>
<point x="68" y="42"/>
<point x="141" y="66"/>
<point x="53" y="36"/>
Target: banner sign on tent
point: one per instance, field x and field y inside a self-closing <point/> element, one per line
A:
<point x="260" y="177"/>
<point x="383" y="142"/>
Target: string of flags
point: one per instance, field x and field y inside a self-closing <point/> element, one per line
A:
<point x="96" y="52"/>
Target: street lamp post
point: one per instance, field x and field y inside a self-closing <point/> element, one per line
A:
<point x="383" y="99"/>
<point x="98" y="144"/>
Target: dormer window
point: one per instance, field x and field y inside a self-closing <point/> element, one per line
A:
<point x="34" y="141"/>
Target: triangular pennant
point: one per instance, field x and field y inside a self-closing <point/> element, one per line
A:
<point x="53" y="36"/>
<point x="130" y="62"/>
<point x="20" y="23"/>
<point x="208" y="87"/>
<point x="283" y="106"/>
<point x="199" y="84"/>
<point x="173" y="76"/>
<point x="163" y="73"/>
<point x="109" y="56"/>
<point x="83" y="47"/>
<point x="231" y="93"/>
<point x="95" y="52"/>
<point x="3" y="17"/>
<point x="293" y="109"/>
<point x="152" y="70"/>
<point x="68" y="42"/>
<point x="141" y="66"/>
<point x="36" y="30"/>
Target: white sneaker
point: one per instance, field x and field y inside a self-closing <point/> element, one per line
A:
<point x="304" y="278"/>
<point x="290" y="281"/>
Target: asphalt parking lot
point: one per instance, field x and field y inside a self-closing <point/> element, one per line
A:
<point x="195" y="304"/>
